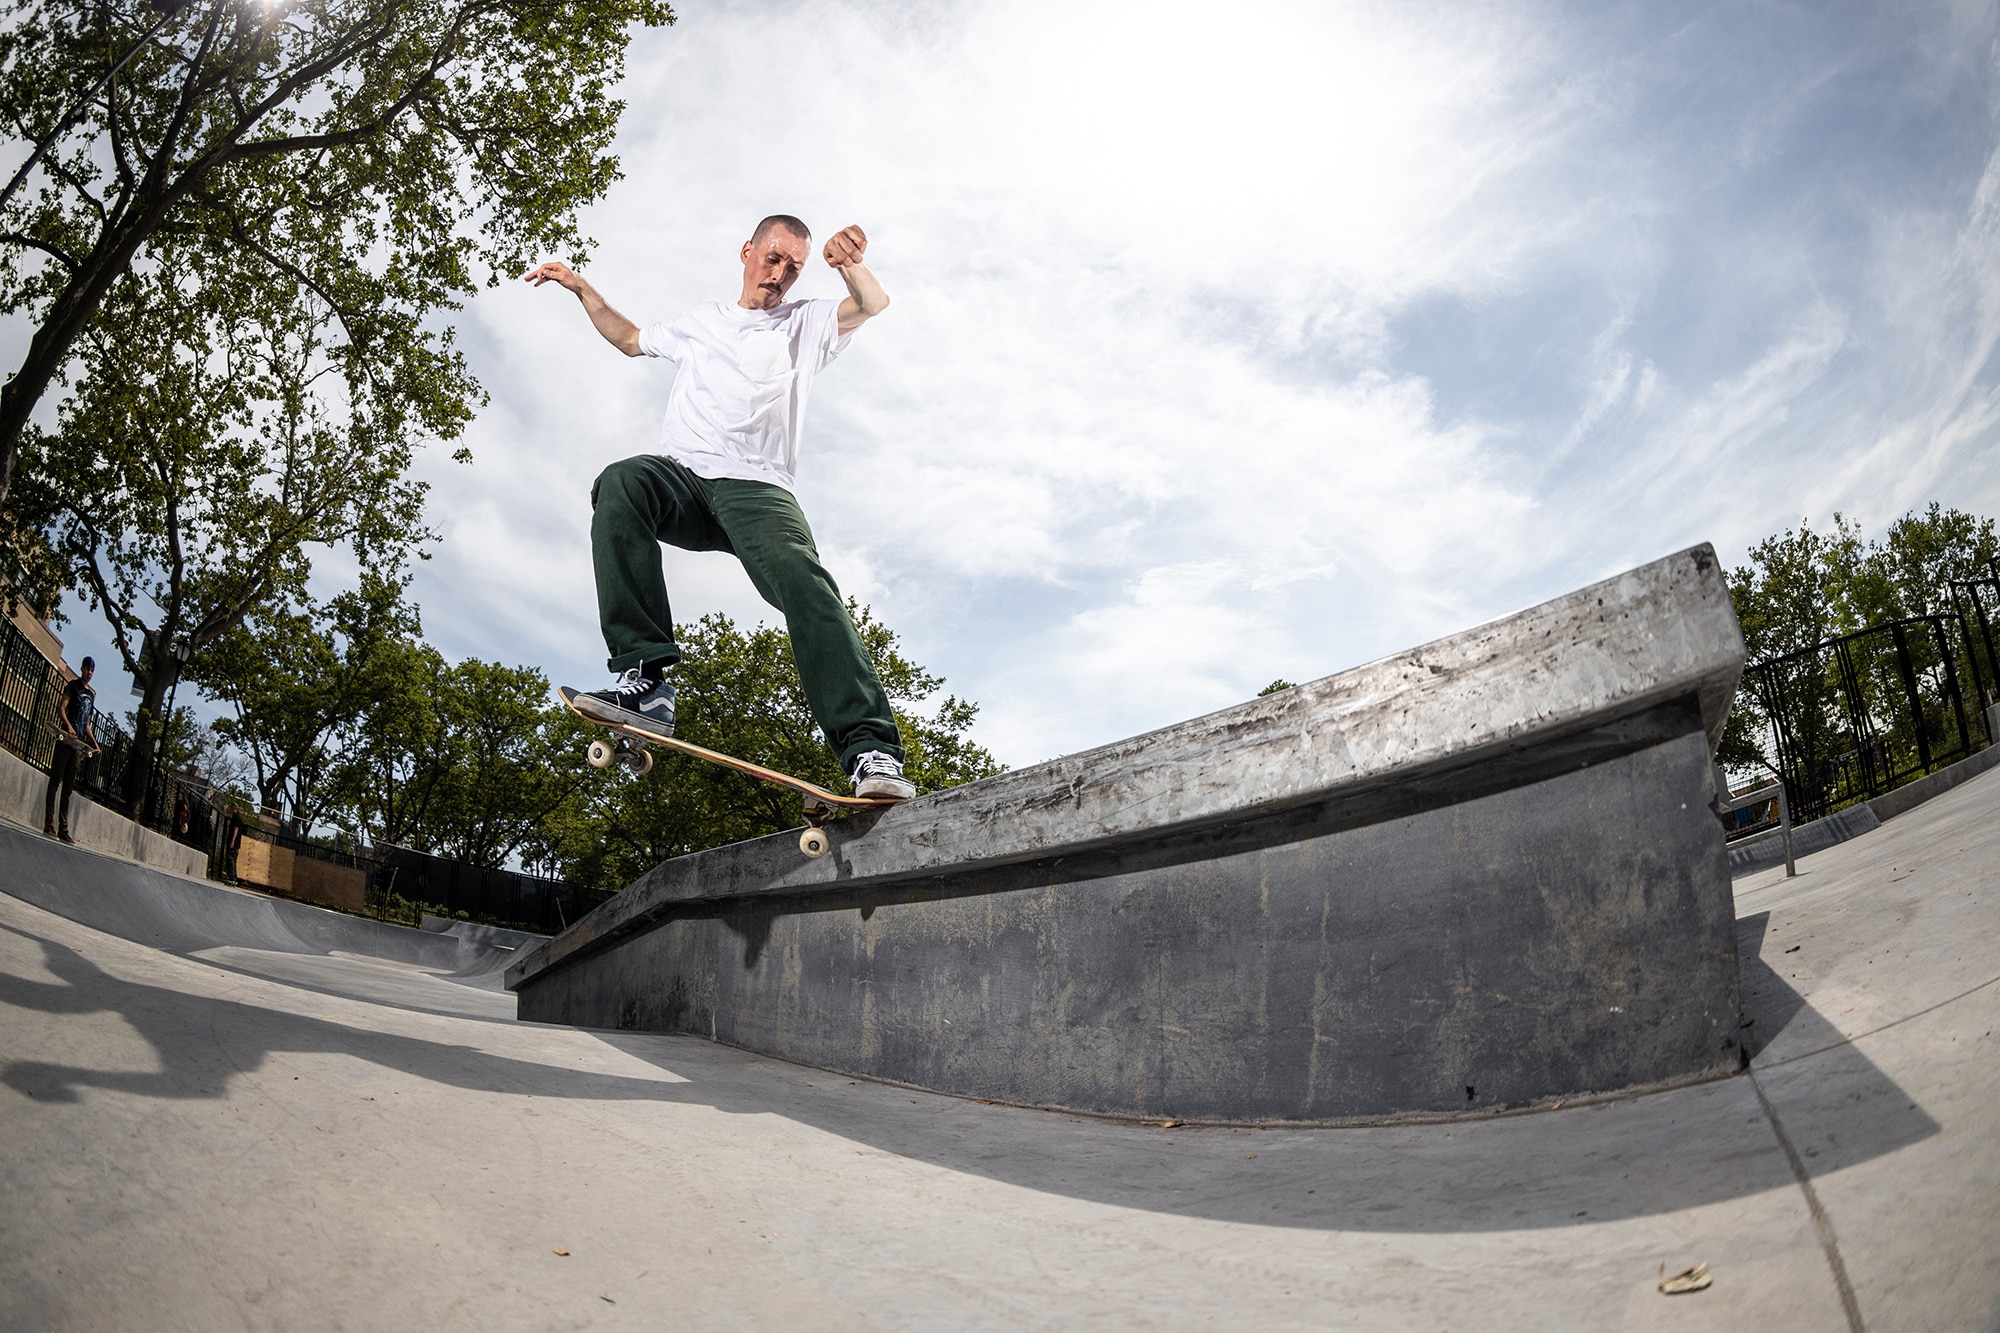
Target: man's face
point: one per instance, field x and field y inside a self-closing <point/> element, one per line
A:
<point x="770" y="267"/>
<point x="88" y="672"/>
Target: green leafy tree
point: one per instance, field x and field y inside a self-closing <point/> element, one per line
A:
<point x="375" y="151"/>
<point x="1921" y="554"/>
<point x="739" y="692"/>
<point x="209" y="445"/>
<point x="300" y="683"/>
<point x="469" y="761"/>
<point x="1803" y="588"/>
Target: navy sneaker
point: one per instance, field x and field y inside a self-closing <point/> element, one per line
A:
<point x="648" y="703"/>
<point x="877" y="775"/>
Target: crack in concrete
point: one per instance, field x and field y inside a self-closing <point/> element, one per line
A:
<point x="1822" y="1224"/>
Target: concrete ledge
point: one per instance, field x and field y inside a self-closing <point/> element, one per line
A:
<point x="1543" y="691"/>
<point x="23" y="793"/>
<point x="1471" y="876"/>
<point x="1768" y="849"/>
<point x="1911" y="795"/>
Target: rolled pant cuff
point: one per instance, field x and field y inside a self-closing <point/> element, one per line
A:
<point x="668" y="654"/>
<point x="859" y="748"/>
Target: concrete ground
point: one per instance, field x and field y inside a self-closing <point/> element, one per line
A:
<point x="237" y="1137"/>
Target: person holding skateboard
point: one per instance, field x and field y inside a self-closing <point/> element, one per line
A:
<point x="77" y="741"/>
<point x="723" y="481"/>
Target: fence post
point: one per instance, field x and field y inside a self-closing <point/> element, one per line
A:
<point x="1785" y="823"/>
<point x="1909" y="675"/>
<point x="1971" y="647"/>
<point x="1943" y="637"/>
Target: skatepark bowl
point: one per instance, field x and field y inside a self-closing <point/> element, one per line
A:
<point x="222" y="1110"/>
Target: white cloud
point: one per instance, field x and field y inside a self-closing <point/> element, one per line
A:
<point x="1150" y="421"/>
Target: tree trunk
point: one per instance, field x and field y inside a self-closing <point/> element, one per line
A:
<point x="141" y="762"/>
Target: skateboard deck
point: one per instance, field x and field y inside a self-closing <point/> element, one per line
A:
<point x="630" y="749"/>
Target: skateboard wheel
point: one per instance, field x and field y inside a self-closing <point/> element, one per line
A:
<point x="813" y="842"/>
<point x="640" y="761"/>
<point x="600" y="754"/>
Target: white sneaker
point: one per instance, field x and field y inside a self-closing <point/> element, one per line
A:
<point x="879" y="776"/>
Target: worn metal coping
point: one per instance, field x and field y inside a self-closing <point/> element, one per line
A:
<point x="1665" y="631"/>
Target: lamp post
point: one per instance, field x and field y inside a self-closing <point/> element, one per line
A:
<point x="166" y="9"/>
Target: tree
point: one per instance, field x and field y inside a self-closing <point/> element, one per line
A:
<point x="208" y="445"/>
<point x="1921" y="554"/>
<point x="301" y="683"/>
<point x="373" y="151"/>
<point x="739" y="692"/>
<point x="467" y="761"/>
<point x="1802" y="588"/>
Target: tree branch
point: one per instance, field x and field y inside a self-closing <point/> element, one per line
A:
<point x="17" y="238"/>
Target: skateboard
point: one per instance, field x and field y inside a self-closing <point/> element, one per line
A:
<point x="633" y="749"/>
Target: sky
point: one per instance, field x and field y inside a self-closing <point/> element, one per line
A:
<point x="1239" y="342"/>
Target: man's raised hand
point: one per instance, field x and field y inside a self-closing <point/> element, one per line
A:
<point x="554" y="271"/>
<point x="845" y="247"/>
<point x="619" y="331"/>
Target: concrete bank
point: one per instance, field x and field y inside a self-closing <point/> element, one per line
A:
<point x="195" y="916"/>
<point x="261" y="1141"/>
<point x="1476" y="874"/>
<point x="23" y="793"/>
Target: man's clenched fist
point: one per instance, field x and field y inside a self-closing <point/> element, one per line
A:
<point x="845" y="247"/>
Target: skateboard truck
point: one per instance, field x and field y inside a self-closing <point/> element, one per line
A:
<point x="813" y="840"/>
<point x="634" y="755"/>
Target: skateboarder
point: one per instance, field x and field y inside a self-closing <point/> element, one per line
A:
<point x="722" y="481"/>
<point x="79" y="704"/>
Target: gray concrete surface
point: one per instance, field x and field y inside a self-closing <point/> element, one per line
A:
<point x="1481" y="873"/>
<point x="1767" y="849"/>
<point x="196" y="916"/>
<point x="1913" y="794"/>
<point x="24" y="796"/>
<point x="1507" y="703"/>
<point x="191" y="1143"/>
<point x="1567" y="936"/>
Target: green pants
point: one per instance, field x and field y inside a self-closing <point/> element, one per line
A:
<point x="640" y="502"/>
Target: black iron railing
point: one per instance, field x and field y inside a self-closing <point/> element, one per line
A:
<point x="1857" y="716"/>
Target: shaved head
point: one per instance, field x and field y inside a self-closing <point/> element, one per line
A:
<point x="777" y="220"/>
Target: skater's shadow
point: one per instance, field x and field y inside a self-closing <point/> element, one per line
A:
<point x="1641" y="1156"/>
<point x="1637" y="1156"/>
<point x="185" y="1031"/>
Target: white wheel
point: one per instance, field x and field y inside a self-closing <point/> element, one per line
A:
<point x="813" y="842"/>
<point x="640" y="761"/>
<point x="600" y="754"/>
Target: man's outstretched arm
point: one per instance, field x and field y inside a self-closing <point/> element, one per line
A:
<point x="865" y="297"/>
<point x="619" y="331"/>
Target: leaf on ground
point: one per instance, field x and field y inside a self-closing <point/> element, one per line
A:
<point x="1695" y="1278"/>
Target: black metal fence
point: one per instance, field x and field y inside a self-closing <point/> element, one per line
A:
<point x="499" y="896"/>
<point x="1976" y="604"/>
<point x="30" y="692"/>
<point x="1859" y="715"/>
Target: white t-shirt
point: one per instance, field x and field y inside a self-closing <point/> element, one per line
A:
<point x="738" y="404"/>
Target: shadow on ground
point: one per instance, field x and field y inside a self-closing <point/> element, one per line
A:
<point x="1634" y="1157"/>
